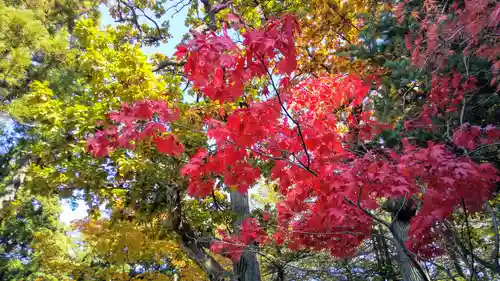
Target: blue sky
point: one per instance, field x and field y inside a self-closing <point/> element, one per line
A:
<point x="78" y="210"/>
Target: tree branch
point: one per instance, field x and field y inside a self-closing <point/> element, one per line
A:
<point x="194" y="247"/>
<point x="167" y="63"/>
<point x="479" y="148"/>
<point x="470" y="240"/>
<point x="464" y="252"/>
<point x="299" y="130"/>
<point x="212" y="24"/>
<point x="134" y="19"/>
<point x="400" y="241"/>
<point x="495" y="252"/>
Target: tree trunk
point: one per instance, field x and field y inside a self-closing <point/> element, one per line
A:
<point x="402" y="210"/>
<point x="194" y="246"/>
<point x="408" y="269"/>
<point x="381" y="249"/>
<point x="247" y="268"/>
<point x="211" y="267"/>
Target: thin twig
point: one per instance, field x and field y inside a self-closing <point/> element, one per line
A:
<point x="166" y="63"/>
<point x="325" y="67"/>
<point x="464" y="102"/>
<point x="334" y="6"/>
<point x="464" y="252"/>
<point x="151" y="20"/>
<point x="187" y="86"/>
<point x="479" y="148"/>
<point x="470" y="240"/>
<point x="484" y="102"/>
<point x="181" y="8"/>
<point x="135" y="17"/>
<point x="379" y="220"/>
<point x="299" y="164"/>
<point x="175" y="5"/>
<point x="446" y="270"/>
<point x="299" y="130"/>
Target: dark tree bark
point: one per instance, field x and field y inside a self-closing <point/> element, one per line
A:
<point x="194" y="246"/>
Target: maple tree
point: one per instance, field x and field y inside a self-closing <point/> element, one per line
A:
<point x="376" y="146"/>
<point x="306" y="148"/>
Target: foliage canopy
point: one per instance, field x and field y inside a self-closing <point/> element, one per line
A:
<point x="283" y="140"/>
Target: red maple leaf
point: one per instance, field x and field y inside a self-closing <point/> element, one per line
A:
<point x="181" y="52"/>
<point x="169" y="145"/>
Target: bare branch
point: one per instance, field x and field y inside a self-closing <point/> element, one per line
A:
<point x="177" y="4"/>
<point x="182" y="7"/>
<point x="479" y="148"/>
<point x="167" y="63"/>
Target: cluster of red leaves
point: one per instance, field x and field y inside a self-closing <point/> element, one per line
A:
<point x="324" y="211"/>
<point x="445" y="96"/>
<point x="470" y="137"/>
<point x="322" y="103"/>
<point x="450" y="182"/>
<point x="471" y="23"/>
<point x="141" y="121"/>
<point x="314" y="212"/>
<point x="234" y="246"/>
<point x="214" y="66"/>
<point x="219" y="68"/>
<point x="308" y="131"/>
<point x="231" y="163"/>
<point x="447" y="92"/>
<point x="276" y="37"/>
<point x="247" y="126"/>
<point x="315" y="94"/>
<point x="258" y="131"/>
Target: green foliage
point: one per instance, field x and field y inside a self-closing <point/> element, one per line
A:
<point x="33" y="241"/>
<point x="22" y="36"/>
<point x="34" y="40"/>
